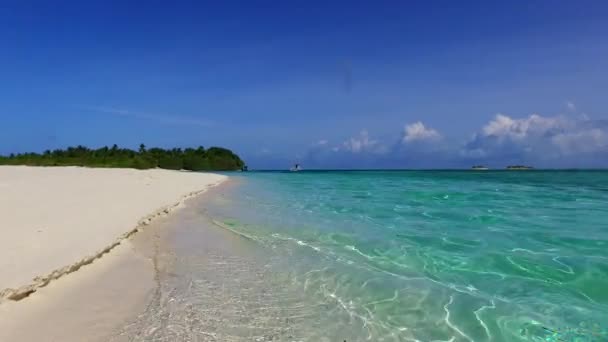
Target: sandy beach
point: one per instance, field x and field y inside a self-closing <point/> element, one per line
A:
<point x="56" y="219"/>
<point x="86" y="305"/>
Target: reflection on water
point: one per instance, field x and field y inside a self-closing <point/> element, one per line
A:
<point x="386" y="257"/>
<point x="215" y="285"/>
<point x="219" y="286"/>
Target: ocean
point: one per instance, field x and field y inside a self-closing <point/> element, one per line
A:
<point x="389" y="256"/>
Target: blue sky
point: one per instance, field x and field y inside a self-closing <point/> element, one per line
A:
<point x="342" y="84"/>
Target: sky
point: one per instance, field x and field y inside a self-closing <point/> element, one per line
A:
<point x="328" y="84"/>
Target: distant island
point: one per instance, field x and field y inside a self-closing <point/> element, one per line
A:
<point x="479" y="167"/>
<point x="519" y="167"/>
<point x="194" y="159"/>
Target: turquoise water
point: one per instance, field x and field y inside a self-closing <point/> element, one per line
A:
<point x="433" y="255"/>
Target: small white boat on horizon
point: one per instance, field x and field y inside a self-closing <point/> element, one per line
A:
<point x="295" y="168"/>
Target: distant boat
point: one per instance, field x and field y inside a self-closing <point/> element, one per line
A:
<point x="479" y="167"/>
<point x="295" y="168"/>
<point x="519" y="167"/>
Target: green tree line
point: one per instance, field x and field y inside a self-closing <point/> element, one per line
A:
<point x="195" y="159"/>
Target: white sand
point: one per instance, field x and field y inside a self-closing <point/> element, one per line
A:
<point x="88" y="305"/>
<point x="52" y="220"/>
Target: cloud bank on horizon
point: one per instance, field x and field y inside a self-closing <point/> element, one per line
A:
<point x="540" y="141"/>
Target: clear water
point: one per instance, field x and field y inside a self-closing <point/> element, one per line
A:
<point x="401" y="256"/>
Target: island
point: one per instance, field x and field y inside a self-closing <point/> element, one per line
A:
<point x="479" y="167"/>
<point x="519" y="167"/>
<point x="193" y="159"/>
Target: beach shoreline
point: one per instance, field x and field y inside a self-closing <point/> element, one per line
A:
<point x="44" y="210"/>
<point x="93" y="302"/>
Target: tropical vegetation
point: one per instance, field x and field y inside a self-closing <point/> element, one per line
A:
<point x="194" y="159"/>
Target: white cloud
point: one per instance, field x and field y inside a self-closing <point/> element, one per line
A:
<point x="505" y="127"/>
<point x="581" y="141"/>
<point x="418" y="132"/>
<point x="571" y="106"/>
<point x="538" y="137"/>
<point x="361" y="150"/>
<point x="361" y="143"/>
<point x="543" y="141"/>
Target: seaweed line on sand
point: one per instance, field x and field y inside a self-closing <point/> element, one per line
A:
<point x="42" y="281"/>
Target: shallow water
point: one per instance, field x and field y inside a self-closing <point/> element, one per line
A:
<point x="389" y="256"/>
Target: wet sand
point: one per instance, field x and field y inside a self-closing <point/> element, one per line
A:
<point x="183" y="278"/>
<point x="214" y="285"/>
<point x="76" y="269"/>
<point x="98" y="302"/>
<point x="56" y="219"/>
<point x="86" y="305"/>
<point x="180" y="278"/>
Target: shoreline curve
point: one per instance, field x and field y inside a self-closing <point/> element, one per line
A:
<point x="21" y="292"/>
